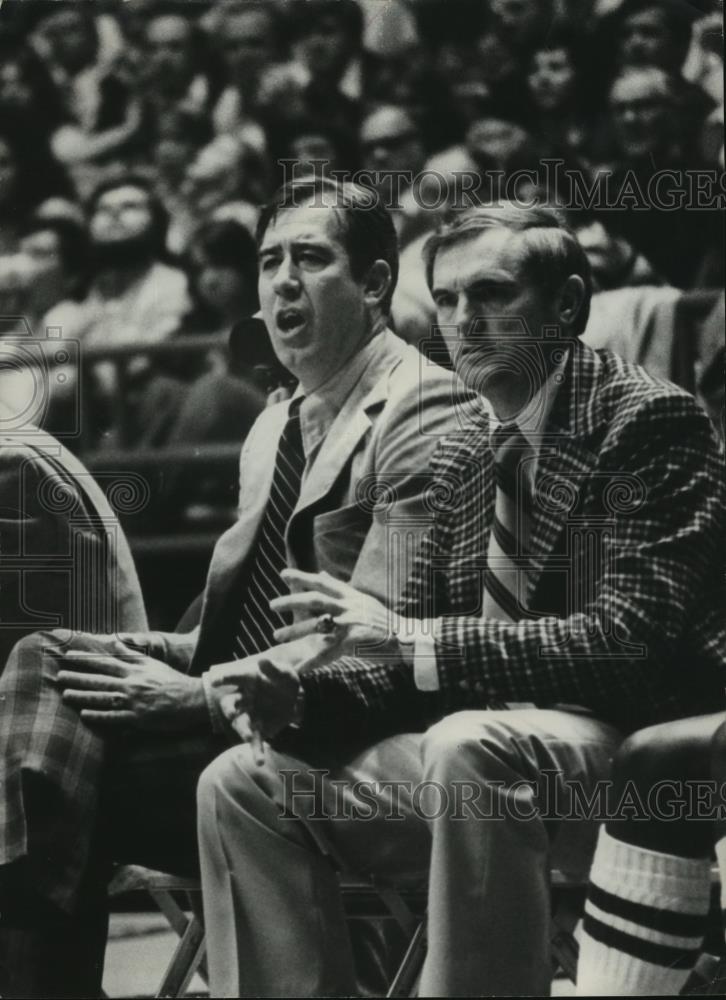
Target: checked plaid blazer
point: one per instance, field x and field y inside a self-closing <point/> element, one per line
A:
<point x="626" y="577"/>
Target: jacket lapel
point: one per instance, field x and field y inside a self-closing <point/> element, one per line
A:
<point x="567" y="457"/>
<point x="234" y="545"/>
<point x="351" y="424"/>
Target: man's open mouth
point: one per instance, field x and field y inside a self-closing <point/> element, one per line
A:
<point x="289" y="320"/>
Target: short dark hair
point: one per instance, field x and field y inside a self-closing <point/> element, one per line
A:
<point x="159" y="215"/>
<point x="678" y="17"/>
<point x="551" y="251"/>
<point x="303" y="17"/>
<point x="366" y="225"/>
<point x="227" y="243"/>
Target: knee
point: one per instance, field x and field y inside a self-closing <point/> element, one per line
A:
<point x="653" y="755"/>
<point x="224" y="781"/>
<point x="34" y="654"/>
<point x="452" y="746"/>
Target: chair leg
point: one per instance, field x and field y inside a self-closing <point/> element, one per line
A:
<point x="185" y="961"/>
<point x="406" y="979"/>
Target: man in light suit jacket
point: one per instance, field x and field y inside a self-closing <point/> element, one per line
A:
<point x="564" y="596"/>
<point x="141" y="723"/>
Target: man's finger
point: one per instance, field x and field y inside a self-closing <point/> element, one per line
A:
<point x="93" y="663"/>
<point x="241" y="679"/>
<point x="96" y="699"/>
<point x="311" y="602"/>
<point x="272" y="671"/>
<point x="86" y="682"/>
<point x="242" y="726"/>
<point x="322" y="582"/>
<point x="288" y="633"/>
<point x="114" y="718"/>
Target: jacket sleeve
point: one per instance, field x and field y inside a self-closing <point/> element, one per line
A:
<point x="617" y="653"/>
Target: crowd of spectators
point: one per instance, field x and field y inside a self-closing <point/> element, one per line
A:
<point x="138" y="140"/>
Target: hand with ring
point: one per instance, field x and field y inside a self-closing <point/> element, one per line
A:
<point x="344" y="621"/>
<point x="326" y="624"/>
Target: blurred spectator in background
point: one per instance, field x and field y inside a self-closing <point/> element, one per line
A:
<point x="50" y="267"/>
<point x="613" y="261"/>
<point x="27" y="90"/>
<point x="172" y="72"/>
<point x="391" y="144"/>
<point x="315" y="146"/>
<point x="246" y="34"/>
<point x="28" y="175"/>
<point x="659" y="33"/>
<point x="134" y="297"/>
<point x="648" y="133"/>
<point x="227" y="173"/>
<point x="59" y="252"/>
<point x="653" y="33"/>
<point x="324" y="79"/>
<point x="222" y="402"/>
<point x="99" y="119"/>
<point x="180" y="137"/>
<point x="504" y="50"/>
<point x="559" y="100"/>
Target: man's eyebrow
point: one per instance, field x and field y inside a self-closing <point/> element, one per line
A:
<point x="488" y="281"/>
<point x="301" y="243"/>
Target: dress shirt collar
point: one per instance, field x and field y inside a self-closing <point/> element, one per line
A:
<point x="319" y="409"/>
<point x="533" y="419"/>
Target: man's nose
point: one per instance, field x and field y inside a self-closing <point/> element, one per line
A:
<point x="287" y="281"/>
<point x="464" y="314"/>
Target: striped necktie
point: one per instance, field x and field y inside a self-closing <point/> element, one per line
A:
<point x="505" y="578"/>
<point x="268" y="557"/>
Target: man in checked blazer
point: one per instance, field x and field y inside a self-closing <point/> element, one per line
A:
<point x="556" y="605"/>
<point x="126" y="725"/>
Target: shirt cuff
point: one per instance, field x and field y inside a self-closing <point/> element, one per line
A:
<point x="418" y="646"/>
<point x="216" y="716"/>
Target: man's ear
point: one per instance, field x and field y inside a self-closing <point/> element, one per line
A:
<point x="377" y="282"/>
<point x="572" y="296"/>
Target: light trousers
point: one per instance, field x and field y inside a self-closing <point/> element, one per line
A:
<point x="479" y="805"/>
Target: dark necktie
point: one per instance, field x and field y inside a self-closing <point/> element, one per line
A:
<point x="263" y="582"/>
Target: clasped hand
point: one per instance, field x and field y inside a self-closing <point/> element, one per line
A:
<point x="262" y="693"/>
<point x="126" y="687"/>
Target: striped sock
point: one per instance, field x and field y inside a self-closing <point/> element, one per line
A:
<point x="645" y="919"/>
<point x="721" y="858"/>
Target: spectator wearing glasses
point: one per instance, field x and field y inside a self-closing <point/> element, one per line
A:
<point x="133" y="296"/>
<point x="391" y="144"/>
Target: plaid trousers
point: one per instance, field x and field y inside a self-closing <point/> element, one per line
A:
<point x="72" y="795"/>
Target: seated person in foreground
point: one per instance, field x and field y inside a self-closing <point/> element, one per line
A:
<point x="65" y="564"/>
<point x="138" y="725"/>
<point x="555" y="606"/>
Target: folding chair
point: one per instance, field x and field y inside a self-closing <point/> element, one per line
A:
<point x="173" y="895"/>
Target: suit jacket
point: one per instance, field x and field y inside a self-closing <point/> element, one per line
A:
<point x="367" y="481"/>
<point x="65" y="561"/>
<point x="626" y="573"/>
